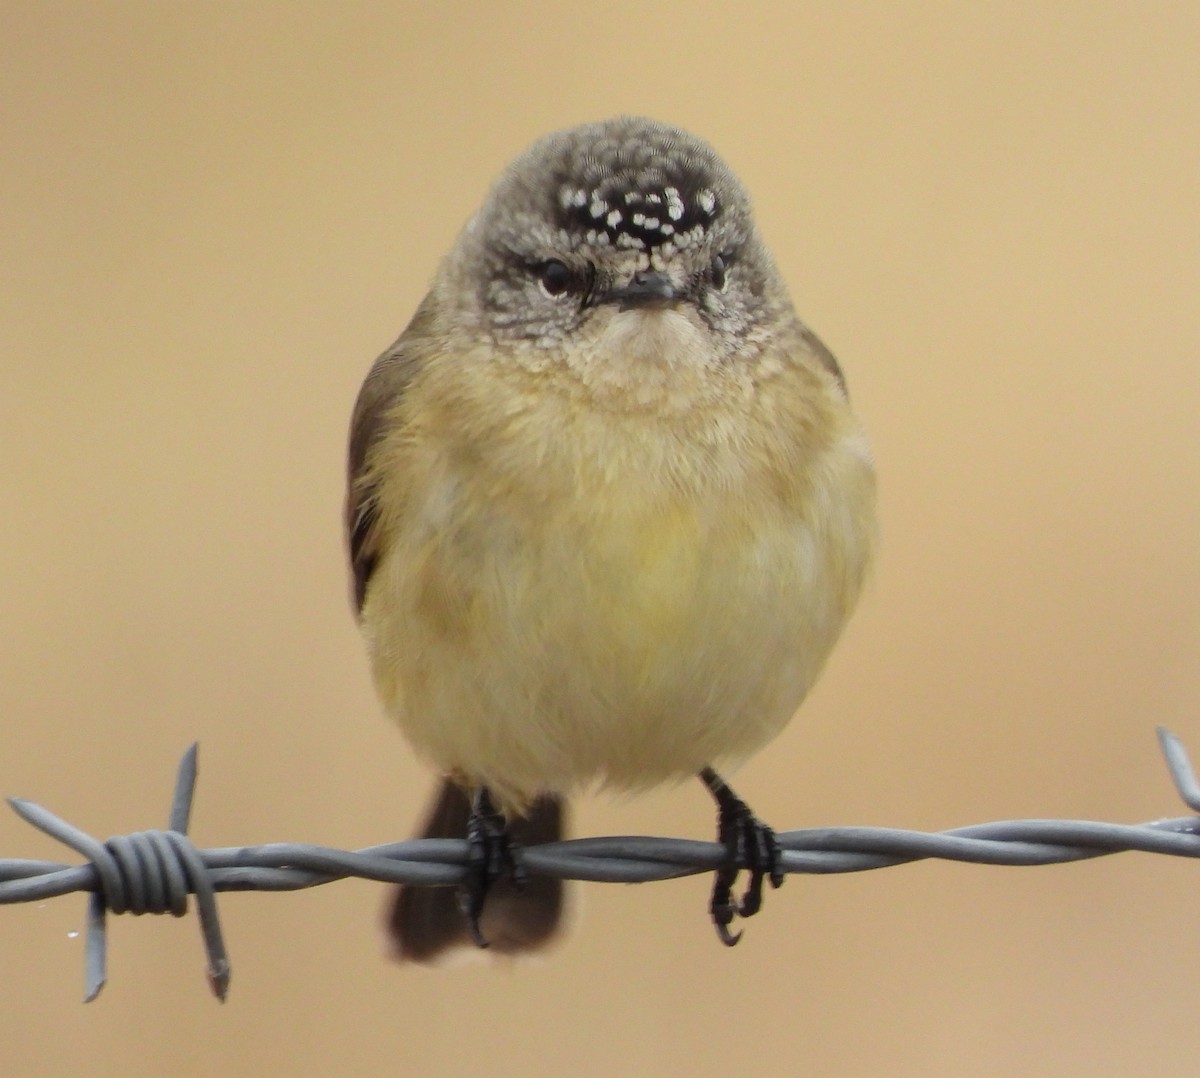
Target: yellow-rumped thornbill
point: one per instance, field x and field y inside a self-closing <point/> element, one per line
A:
<point x="608" y="511"/>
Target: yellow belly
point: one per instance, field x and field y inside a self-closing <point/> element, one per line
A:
<point x="627" y="629"/>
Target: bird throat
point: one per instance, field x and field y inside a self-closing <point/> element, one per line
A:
<point x="645" y="358"/>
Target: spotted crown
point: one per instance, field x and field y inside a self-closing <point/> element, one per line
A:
<point x="625" y="183"/>
<point x="637" y="183"/>
<point x="639" y="210"/>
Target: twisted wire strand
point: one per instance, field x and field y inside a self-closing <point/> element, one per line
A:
<point x="156" y="871"/>
<point x="144" y="872"/>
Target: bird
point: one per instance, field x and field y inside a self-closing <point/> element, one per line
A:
<point x="608" y="510"/>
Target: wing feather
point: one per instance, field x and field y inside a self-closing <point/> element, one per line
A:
<point x="374" y="411"/>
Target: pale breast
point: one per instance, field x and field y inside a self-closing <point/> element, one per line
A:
<point x="627" y="609"/>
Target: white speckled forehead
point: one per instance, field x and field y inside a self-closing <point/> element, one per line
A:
<point x="630" y="183"/>
<point x="636" y="211"/>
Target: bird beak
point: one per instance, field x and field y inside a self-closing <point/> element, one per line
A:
<point x="647" y="289"/>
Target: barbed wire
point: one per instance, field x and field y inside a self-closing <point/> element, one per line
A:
<point x="155" y="871"/>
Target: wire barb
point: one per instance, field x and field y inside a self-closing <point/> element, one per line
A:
<point x="156" y="871"/>
<point x="145" y="872"/>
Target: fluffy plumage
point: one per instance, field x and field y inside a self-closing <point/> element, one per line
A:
<point x="601" y="535"/>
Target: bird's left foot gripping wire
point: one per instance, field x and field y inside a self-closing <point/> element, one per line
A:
<point x="491" y="855"/>
<point x="749" y="844"/>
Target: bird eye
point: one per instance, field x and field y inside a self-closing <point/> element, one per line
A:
<point x="555" y="276"/>
<point x="720" y="270"/>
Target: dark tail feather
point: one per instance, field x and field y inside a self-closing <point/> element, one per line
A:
<point x="424" y="922"/>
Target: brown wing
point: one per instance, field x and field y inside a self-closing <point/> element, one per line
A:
<point x="824" y="355"/>
<point x="382" y="390"/>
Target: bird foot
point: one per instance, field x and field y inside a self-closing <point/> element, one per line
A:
<point x="749" y="844"/>
<point x="491" y="855"/>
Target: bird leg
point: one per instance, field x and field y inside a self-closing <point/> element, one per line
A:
<point x="491" y="854"/>
<point x="749" y="844"/>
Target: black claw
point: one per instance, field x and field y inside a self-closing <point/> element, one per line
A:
<point x="491" y="854"/>
<point x="730" y="939"/>
<point x="721" y="906"/>
<point x="749" y="844"/>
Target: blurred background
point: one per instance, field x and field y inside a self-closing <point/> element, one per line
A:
<point x="215" y="215"/>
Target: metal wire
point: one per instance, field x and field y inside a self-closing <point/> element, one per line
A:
<point x="156" y="871"/>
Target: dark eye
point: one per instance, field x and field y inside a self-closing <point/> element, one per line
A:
<point x="555" y="276"/>
<point x="720" y="270"/>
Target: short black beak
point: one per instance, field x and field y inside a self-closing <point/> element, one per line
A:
<point x="647" y="289"/>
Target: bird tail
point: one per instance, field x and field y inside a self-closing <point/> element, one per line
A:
<point x="425" y="922"/>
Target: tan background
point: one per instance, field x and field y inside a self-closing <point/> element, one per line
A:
<point x="215" y="215"/>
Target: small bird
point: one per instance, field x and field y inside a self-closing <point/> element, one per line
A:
<point x="608" y="510"/>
